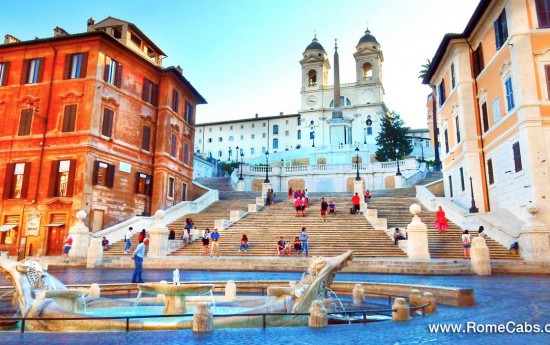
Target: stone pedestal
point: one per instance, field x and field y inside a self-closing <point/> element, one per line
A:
<point x="481" y="261"/>
<point x="158" y="236"/>
<point x="81" y="237"/>
<point x="203" y="321"/>
<point x="95" y="253"/>
<point x="230" y="290"/>
<point x="94" y="291"/>
<point x="417" y="232"/>
<point x="358" y="295"/>
<point x="236" y="215"/>
<point x="318" y="317"/>
<point x="401" y="310"/>
<point x="534" y="244"/>
<point x="415" y="298"/>
<point x="219" y="224"/>
<point x="398" y="181"/>
<point x="265" y="188"/>
<point x="252" y="208"/>
<point x="428" y="297"/>
<point x="240" y="186"/>
<point x="358" y="187"/>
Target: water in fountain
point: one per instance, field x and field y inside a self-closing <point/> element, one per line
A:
<point x="137" y="299"/>
<point x="84" y="302"/>
<point x="213" y="301"/>
<point x="336" y="304"/>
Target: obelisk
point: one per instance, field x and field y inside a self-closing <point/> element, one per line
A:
<point x="337" y="110"/>
<point x="338" y="135"/>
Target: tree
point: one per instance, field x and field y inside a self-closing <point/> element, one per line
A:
<point x="391" y="140"/>
<point x="423" y="74"/>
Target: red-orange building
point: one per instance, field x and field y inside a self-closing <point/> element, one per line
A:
<point x="90" y="121"/>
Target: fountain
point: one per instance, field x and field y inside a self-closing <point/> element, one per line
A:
<point x="41" y="295"/>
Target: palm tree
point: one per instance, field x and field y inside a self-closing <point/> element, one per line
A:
<point x="422" y="75"/>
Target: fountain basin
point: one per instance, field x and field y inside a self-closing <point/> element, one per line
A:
<point x="175" y="294"/>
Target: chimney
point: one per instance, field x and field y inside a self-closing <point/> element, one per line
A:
<point x="256" y="115"/>
<point x="58" y="32"/>
<point x="281" y="113"/>
<point x="179" y="69"/>
<point x="91" y="21"/>
<point x="11" y="39"/>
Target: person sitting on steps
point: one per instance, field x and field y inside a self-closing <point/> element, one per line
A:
<point x="397" y="236"/>
<point x="282" y="248"/>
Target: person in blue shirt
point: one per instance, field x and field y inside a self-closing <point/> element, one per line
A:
<point x="304" y="236"/>
<point x="215" y="237"/>
<point x="138" y="256"/>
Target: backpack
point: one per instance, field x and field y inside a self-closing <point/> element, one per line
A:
<point x="466" y="240"/>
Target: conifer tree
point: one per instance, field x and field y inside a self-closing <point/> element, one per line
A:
<point x="391" y="140"/>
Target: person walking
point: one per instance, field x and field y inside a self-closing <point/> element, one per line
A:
<point x="304" y="236"/>
<point x="356" y="201"/>
<point x="290" y="193"/>
<point x="138" y="256"/>
<point x="67" y="245"/>
<point x="215" y="237"/>
<point x="127" y="239"/>
<point x="466" y="243"/>
<point x="441" y="223"/>
<point x="141" y="236"/>
<point x="172" y="234"/>
<point x="244" y="243"/>
<point x="206" y="240"/>
<point x="324" y="208"/>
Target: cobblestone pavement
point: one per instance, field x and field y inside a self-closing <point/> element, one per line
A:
<point x="500" y="299"/>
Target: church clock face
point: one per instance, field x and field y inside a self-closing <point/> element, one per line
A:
<point x="368" y="96"/>
<point x="312" y="100"/>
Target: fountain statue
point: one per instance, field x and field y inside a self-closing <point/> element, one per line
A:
<point x="41" y="295"/>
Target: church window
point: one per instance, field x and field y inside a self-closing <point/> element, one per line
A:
<point x="367" y="70"/>
<point x="344" y="101"/>
<point x="312" y="77"/>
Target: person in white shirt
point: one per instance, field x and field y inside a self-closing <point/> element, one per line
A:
<point x="127" y="239"/>
<point x="466" y="243"/>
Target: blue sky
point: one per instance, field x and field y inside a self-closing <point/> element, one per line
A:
<point x="243" y="55"/>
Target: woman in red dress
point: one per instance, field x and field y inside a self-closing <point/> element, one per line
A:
<point x="441" y="223"/>
<point x="290" y="194"/>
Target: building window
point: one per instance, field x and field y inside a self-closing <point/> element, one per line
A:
<point x="200" y="141"/>
<point x="34" y="71"/>
<point x="113" y="72"/>
<point x="451" y="185"/>
<point x="252" y="126"/>
<point x="275" y="143"/>
<point x="75" y="66"/>
<point x="369" y="130"/>
<point x="210" y="129"/>
<point x="446" y="135"/>
<point x="186" y="153"/>
<point x="299" y="134"/>
<point x="231" y="127"/>
<point x="4" y="72"/>
<point x="478" y="60"/>
<point x="264" y="135"/>
<point x="462" y="186"/>
<point x="490" y="171"/>
<point x="175" y="100"/>
<point x="263" y="124"/>
<point x="9" y="235"/>
<point x="441" y="92"/>
<point x="543" y="13"/>
<point x="104" y="174"/>
<point x="231" y="138"/>
<point x="263" y="150"/>
<point x="242" y="137"/>
<point x="252" y="136"/>
<point x="485" y="117"/>
<point x="62" y="178"/>
<point x="171" y="182"/>
<point x="242" y="126"/>
<point x="252" y="151"/>
<point x="547" y="72"/>
<point x="453" y="81"/>
<point x="209" y="140"/>
<point x="107" y="126"/>
<point x="276" y="129"/>
<point x="299" y="120"/>
<point x="287" y="133"/>
<point x="69" y="118"/>
<point x="173" y="145"/>
<point x="16" y="181"/>
<point x="457" y="126"/>
<point x="141" y="183"/>
<point x="517" y="157"/>
<point x="150" y="92"/>
<point x="189" y="113"/>
<point x="496" y="110"/>
<point x="146" y="138"/>
<point x="509" y="94"/>
<point x="501" y="30"/>
<point x="219" y="153"/>
<point x="220" y="139"/>
<point x="25" y="122"/>
<point x="286" y="122"/>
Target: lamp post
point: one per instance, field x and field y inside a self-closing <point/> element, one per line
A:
<point x="397" y="159"/>
<point x="229" y="158"/>
<point x="146" y="206"/>
<point x="312" y="133"/>
<point x="473" y="208"/>
<point x="266" y="167"/>
<point x="242" y="157"/>
<point x="357" y="178"/>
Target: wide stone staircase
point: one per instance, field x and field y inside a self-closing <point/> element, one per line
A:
<point x="218" y="183"/>
<point x="202" y="220"/>
<point x="342" y="232"/>
<point x="446" y="245"/>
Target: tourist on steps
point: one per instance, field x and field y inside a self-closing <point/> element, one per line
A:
<point x="127" y="239"/>
<point x="244" y="243"/>
<point x="172" y="234"/>
<point x="324" y="208"/>
<point x="331" y="207"/>
<point x="367" y="195"/>
<point x="441" y="223"/>
<point x="466" y="243"/>
<point x="141" y="236"/>
<point x="214" y="237"/>
<point x="304" y="236"/>
<point x="397" y="236"/>
<point x="297" y="245"/>
<point x="138" y="256"/>
<point x="290" y="194"/>
<point x="356" y="202"/>
<point x="206" y="240"/>
<point x="282" y="248"/>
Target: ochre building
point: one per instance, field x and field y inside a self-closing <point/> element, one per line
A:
<point x="93" y="122"/>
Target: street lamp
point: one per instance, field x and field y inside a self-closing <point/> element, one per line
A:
<point x="312" y="132"/>
<point x="397" y="159"/>
<point x="357" y="178"/>
<point x="146" y="206"/>
<point x="266" y="167"/>
<point x="242" y="157"/>
<point x="229" y="158"/>
<point x="473" y="208"/>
